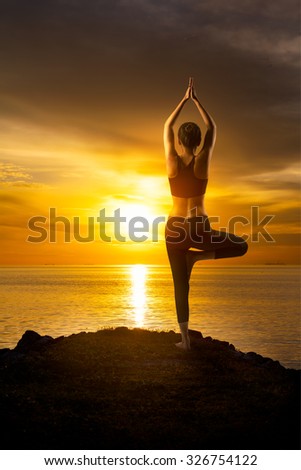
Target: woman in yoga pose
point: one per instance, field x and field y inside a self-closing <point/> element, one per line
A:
<point x="188" y="225"/>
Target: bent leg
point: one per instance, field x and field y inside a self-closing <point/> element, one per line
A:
<point x="223" y="244"/>
<point x="227" y="245"/>
<point x="213" y="244"/>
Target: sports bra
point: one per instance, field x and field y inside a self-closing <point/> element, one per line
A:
<point x="185" y="183"/>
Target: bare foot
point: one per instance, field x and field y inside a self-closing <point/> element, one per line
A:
<point x="184" y="346"/>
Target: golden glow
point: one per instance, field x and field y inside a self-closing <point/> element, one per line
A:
<point x="135" y="210"/>
<point x="95" y="142"/>
<point x="138" y="298"/>
<point x="69" y="174"/>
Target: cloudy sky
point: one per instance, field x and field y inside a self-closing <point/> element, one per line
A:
<point x="85" y="87"/>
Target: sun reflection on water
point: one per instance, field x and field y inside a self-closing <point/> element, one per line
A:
<point x="138" y="299"/>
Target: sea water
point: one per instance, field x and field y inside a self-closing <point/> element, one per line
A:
<point x="256" y="308"/>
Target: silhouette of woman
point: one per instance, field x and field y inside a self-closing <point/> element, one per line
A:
<point x="188" y="234"/>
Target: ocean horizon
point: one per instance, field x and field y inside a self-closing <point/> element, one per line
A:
<point x="254" y="307"/>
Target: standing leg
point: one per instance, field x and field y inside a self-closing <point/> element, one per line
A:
<point x="192" y="256"/>
<point x="185" y="343"/>
<point x="177" y="260"/>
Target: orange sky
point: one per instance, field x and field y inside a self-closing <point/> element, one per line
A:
<point x="84" y="94"/>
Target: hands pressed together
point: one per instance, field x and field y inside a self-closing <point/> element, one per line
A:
<point x="190" y="92"/>
<point x="170" y="121"/>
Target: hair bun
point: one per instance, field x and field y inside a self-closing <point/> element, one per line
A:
<point x="189" y="134"/>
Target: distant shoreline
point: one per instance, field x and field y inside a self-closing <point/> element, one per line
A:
<point x="207" y="264"/>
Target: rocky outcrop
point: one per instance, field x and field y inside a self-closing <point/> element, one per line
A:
<point x="133" y="389"/>
<point x="32" y="341"/>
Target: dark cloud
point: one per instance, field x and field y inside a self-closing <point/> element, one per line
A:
<point x="290" y="215"/>
<point x="111" y="69"/>
<point x="278" y="185"/>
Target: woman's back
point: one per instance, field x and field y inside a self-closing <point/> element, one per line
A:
<point x="188" y="191"/>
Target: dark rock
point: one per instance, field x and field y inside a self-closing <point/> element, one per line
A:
<point x="208" y="338"/>
<point x="221" y="344"/>
<point x="131" y="387"/>
<point x="195" y="334"/>
<point x="238" y="353"/>
<point x="4" y="351"/>
<point x="254" y="357"/>
<point x="123" y="329"/>
<point x="266" y="362"/>
<point x="32" y="341"/>
<point x="271" y="364"/>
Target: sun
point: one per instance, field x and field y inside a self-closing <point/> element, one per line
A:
<point x="130" y="211"/>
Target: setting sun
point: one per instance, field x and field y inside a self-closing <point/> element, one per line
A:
<point x="130" y="211"/>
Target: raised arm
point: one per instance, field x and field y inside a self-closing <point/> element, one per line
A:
<point x="168" y="135"/>
<point x="210" y="136"/>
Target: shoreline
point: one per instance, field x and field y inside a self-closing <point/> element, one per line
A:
<point x="12" y="346"/>
<point x="133" y="389"/>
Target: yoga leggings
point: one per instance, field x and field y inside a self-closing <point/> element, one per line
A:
<point x="181" y="234"/>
